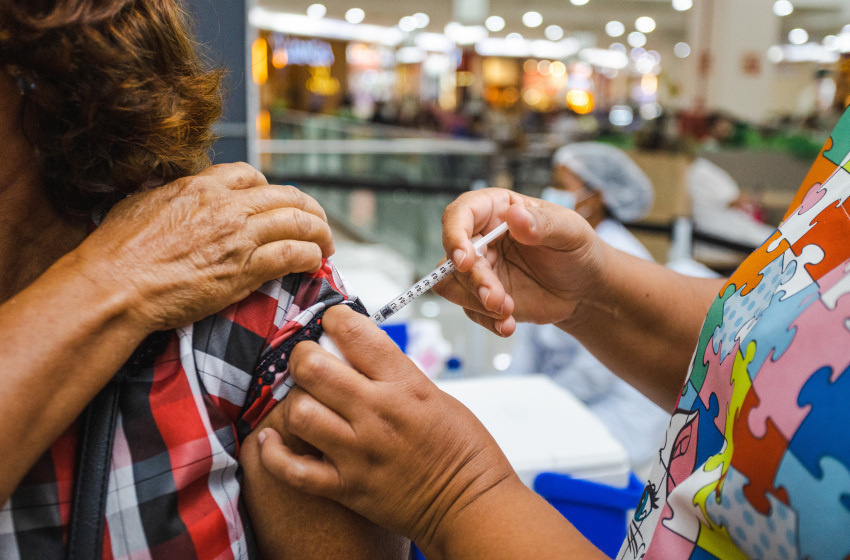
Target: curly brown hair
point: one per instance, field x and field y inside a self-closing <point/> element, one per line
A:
<point x="115" y="94"/>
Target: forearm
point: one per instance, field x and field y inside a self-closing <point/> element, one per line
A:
<point x="63" y="338"/>
<point x="509" y="522"/>
<point x="643" y="323"/>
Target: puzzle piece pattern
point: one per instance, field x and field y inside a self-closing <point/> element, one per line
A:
<point x="823" y="517"/>
<point x="761" y="535"/>
<point x="766" y="436"/>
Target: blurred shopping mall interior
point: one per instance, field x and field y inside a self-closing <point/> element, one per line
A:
<point x="387" y="111"/>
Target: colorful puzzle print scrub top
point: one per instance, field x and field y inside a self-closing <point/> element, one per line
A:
<point x="756" y="462"/>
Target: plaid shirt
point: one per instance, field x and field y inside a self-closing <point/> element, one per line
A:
<point x="173" y="490"/>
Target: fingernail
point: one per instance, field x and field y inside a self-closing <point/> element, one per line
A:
<point x="484" y="294"/>
<point x="458" y="257"/>
<point x="502" y="309"/>
<point x="261" y="437"/>
<point x="498" y="326"/>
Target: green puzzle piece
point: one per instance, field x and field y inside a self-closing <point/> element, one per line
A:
<point x="712" y="321"/>
<point x="840" y="141"/>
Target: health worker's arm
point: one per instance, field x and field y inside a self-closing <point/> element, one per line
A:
<point x="399" y="451"/>
<point x="160" y="260"/>
<point x="638" y="318"/>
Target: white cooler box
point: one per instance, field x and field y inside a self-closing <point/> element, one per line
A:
<point x="542" y="427"/>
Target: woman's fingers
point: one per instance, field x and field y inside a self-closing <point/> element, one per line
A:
<point x="268" y="197"/>
<point x="464" y="291"/>
<point x="472" y="213"/>
<point x="280" y="258"/>
<point x="303" y="472"/>
<point x="548" y="225"/>
<point x="327" y="378"/>
<point x="366" y="347"/>
<point x="309" y="419"/>
<point x="502" y="327"/>
<point x="290" y="223"/>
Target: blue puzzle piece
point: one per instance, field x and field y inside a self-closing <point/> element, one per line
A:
<point x="738" y="310"/>
<point x="710" y="438"/>
<point x="773" y="331"/>
<point x="823" y="430"/>
<point x="700" y="554"/>
<point x="689" y="396"/>
<point x="822" y="520"/>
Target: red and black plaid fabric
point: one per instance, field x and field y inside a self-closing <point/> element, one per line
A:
<point x="173" y="487"/>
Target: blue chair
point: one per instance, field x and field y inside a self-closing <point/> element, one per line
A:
<point x="598" y="511"/>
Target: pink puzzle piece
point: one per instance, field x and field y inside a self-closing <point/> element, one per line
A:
<point x="718" y="381"/>
<point x="821" y="333"/>
<point x="812" y="197"/>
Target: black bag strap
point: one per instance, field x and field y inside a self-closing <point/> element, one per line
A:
<point x="97" y="431"/>
<point x="94" y="452"/>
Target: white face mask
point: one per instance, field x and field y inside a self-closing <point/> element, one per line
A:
<point x="560" y="197"/>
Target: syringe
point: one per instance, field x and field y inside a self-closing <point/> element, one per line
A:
<point x="430" y="280"/>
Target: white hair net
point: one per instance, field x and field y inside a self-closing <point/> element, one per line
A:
<point x="625" y="188"/>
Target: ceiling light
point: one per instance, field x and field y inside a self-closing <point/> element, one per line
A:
<point x="798" y="36"/>
<point x="682" y="5"/>
<point x="316" y="11"/>
<point x="532" y="19"/>
<point x="407" y="24"/>
<point x="645" y="24"/>
<point x="682" y="50"/>
<point x="514" y="37"/>
<point x="554" y="33"/>
<point x="422" y="20"/>
<point x="783" y="8"/>
<point x="579" y="2"/>
<point x="355" y="15"/>
<point x="494" y="23"/>
<point x="636" y="39"/>
<point x="830" y="42"/>
<point x="614" y="28"/>
<point x="775" y="54"/>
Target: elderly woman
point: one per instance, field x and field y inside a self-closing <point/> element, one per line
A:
<point x="106" y="105"/>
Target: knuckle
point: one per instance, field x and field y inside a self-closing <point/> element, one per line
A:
<point x="291" y="192"/>
<point x="346" y="326"/>
<point x="300" y="222"/>
<point x="304" y="360"/>
<point x="302" y="412"/>
<point x="297" y="477"/>
<point x="245" y="169"/>
<point x="287" y="253"/>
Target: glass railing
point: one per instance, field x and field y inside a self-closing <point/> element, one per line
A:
<point x="377" y="183"/>
<point x="324" y="147"/>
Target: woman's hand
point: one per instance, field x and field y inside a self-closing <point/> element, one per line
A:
<point x="396" y="449"/>
<point x="549" y="261"/>
<point x="190" y="248"/>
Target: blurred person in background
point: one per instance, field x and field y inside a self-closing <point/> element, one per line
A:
<point x="119" y="246"/>
<point x="607" y="188"/>
<point x="721" y="209"/>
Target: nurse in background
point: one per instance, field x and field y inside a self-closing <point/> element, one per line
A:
<point x="607" y="188"/>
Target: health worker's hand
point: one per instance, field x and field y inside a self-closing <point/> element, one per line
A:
<point x="395" y="448"/>
<point x="180" y="252"/>
<point x="539" y="272"/>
